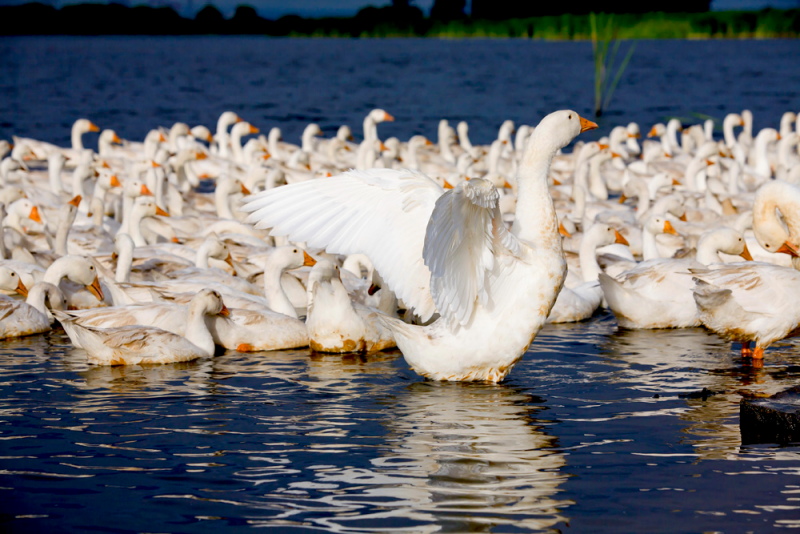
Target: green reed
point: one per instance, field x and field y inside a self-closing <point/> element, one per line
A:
<point x="607" y="70"/>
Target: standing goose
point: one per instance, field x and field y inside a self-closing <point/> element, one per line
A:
<point x="447" y="255"/>
<point x="749" y="302"/>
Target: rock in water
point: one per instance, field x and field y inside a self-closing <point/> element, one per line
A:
<point x="772" y="420"/>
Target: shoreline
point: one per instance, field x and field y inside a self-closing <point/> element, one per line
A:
<point x="35" y="19"/>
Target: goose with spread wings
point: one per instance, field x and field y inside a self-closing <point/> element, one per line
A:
<point x="482" y="291"/>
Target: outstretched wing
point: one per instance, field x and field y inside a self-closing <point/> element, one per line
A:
<point x="382" y="213"/>
<point x="464" y="235"/>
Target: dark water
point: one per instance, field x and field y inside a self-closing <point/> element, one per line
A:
<point x="134" y="84"/>
<point x="595" y="430"/>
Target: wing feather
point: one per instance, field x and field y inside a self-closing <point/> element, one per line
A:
<point x="463" y="236"/>
<point x="382" y="213"/>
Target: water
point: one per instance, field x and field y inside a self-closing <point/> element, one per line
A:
<point x="134" y="84"/>
<point x="595" y="430"/>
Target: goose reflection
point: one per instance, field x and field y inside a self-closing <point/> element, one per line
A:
<point x="460" y="457"/>
<point x="702" y="370"/>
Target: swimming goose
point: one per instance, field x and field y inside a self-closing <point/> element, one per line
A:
<point x="23" y="318"/>
<point x="337" y="324"/>
<point x="447" y="255"/>
<point x="580" y="301"/>
<point x="137" y="344"/>
<point x="658" y="293"/>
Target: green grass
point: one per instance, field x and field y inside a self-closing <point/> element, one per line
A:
<point x="768" y="23"/>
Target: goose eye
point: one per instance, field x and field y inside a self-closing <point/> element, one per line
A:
<point x="767" y="245"/>
<point x="570" y="116"/>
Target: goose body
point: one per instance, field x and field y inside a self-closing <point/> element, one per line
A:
<point x="448" y="256"/>
<point x="24" y="318"/>
<point x="658" y="293"/>
<point x="749" y="302"/>
<point x="335" y="323"/>
<point x="136" y="344"/>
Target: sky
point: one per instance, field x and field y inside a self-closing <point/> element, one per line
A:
<point x="273" y="9"/>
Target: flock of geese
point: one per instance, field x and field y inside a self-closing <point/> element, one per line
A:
<point x="166" y="249"/>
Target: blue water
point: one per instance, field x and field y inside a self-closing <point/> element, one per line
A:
<point x="596" y="429"/>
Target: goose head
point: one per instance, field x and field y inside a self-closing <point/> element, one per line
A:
<point x="209" y="302"/>
<point x="558" y="129"/>
<point x="10" y="281"/>
<point x="77" y="269"/>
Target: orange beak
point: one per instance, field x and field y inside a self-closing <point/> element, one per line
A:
<point x="245" y="190"/>
<point x="229" y="261"/>
<point x="93" y="127"/>
<point x="563" y="231"/>
<point x="34" y="215"/>
<point x="114" y="181"/>
<point x="669" y="229"/>
<point x="620" y="238"/>
<point x="387" y="117"/>
<point x="746" y="254"/>
<point x="21" y="289"/>
<point x="308" y="260"/>
<point x="790" y="249"/>
<point x="146" y="191"/>
<point x="587" y="124"/>
<point x="254" y="130"/>
<point x="161" y="212"/>
<point x="76" y="201"/>
<point x="95" y="289"/>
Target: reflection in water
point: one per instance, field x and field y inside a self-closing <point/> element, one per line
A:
<point x="704" y="370"/>
<point x="361" y="444"/>
<point x="461" y="457"/>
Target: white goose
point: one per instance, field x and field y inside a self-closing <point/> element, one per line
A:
<point x="580" y="302"/>
<point x="447" y="253"/>
<point x="77" y="269"/>
<point x="137" y="344"/>
<point x="658" y="293"/>
<point x="23" y="318"/>
<point x="749" y="302"/>
<point x="337" y="324"/>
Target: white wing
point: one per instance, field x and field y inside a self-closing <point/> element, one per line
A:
<point x="465" y="233"/>
<point x="382" y="213"/>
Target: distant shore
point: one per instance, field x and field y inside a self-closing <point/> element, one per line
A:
<point x="116" y="19"/>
